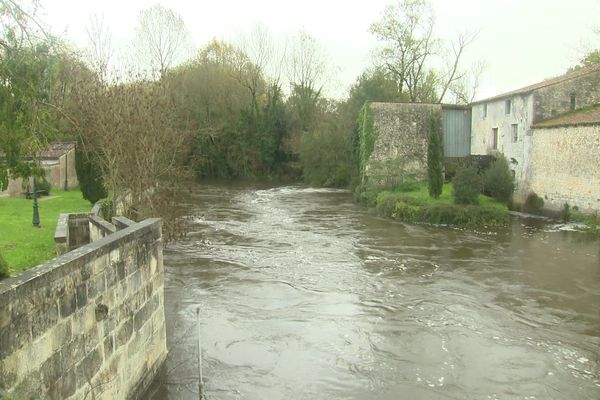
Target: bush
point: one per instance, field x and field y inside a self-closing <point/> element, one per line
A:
<point x="450" y="167"/>
<point x="446" y="214"/>
<point x="407" y="212"/>
<point x="467" y="185"/>
<point x="533" y="204"/>
<point x="498" y="181"/>
<point x="89" y="176"/>
<point x="42" y="185"/>
<point x="409" y="185"/>
<point x="4" y="273"/>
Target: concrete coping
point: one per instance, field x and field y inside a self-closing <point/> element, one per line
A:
<point x="96" y="209"/>
<point x="122" y="222"/>
<point x="62" y="229"/>
<point x="107" y="227"/>
<point x="74" y="259"/>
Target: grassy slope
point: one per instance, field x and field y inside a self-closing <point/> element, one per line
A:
<point x="24" y="246"/>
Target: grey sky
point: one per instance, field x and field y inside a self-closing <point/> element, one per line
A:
<point x="521" y="41"/>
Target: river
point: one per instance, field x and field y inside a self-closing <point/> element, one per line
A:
<point x="304" y="294"/>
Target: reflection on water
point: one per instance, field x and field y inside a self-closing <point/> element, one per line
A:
<point x="304" y="295"/>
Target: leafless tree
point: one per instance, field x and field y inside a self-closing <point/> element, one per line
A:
<point x="410" y="51"/>
<point x="161" y="39"/>
<point x="99" y="50"/>
<point x="306" y="63"/>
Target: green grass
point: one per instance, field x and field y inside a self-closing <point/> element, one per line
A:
<point x="422" y="196"/>
<point x="415" y="205"/>
<point x="24" y="246"/>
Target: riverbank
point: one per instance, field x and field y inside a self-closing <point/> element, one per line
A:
<point x="411" y="203"/>
<point x="24" y="246"/>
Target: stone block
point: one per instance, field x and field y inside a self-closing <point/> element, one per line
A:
<point x="51" y="369"/>
<point x="15" y="336"/>
<point x="68" y="304"/>
<point x="124" y="333"/>
<point x="82" y="295"/>
<point x="96" y="286"/>
<point x="88" y="367"/>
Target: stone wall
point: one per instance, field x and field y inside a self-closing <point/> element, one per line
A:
<point x="88" y="324"/>
<point x="553" y="100"/>
<point x="564" y="167"/>
<point x="401" y="138"/>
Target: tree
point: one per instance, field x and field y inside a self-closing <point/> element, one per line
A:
<point x="410" y="48"/>
<point x="131" y="131"/>
<point x="161" y="39"/>
<point x="435" y="158"/>
<point x="307" y="74"/>
<point x="99" y="50"/>
<point x="28" y="65"/>
<point x="89" y="176"/>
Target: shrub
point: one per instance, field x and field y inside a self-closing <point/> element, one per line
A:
<point x="565" y="213"/>
<point x="4" y="273"/>
<point x="89" y="176"/>
<point x="491" y="216"/>
<point x="42" y="185"/>
<point x="435" y="158"/>
<point x="409" y="185"/>
<point x="467" y="185"/>
<point x="407" y="212"/>
<point x="446" y="214"/>
<point x="498" y="181"/>
<point x="450" y="167"/>
<point x="533" y="204"/>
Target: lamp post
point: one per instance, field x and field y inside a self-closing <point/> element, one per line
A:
<point x="36" y="213"/>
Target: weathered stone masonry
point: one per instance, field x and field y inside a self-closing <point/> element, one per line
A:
<point x="565" y="166"/>
<point x="401" y="131"/>
<point x="90" y="323"/>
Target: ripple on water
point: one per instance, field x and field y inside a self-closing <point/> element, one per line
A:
<point x="303" y="294"/>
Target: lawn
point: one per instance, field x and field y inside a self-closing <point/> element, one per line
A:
<point x="24" y="246"/>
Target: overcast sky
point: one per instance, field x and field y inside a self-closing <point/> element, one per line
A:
<point x="521" y="41"/>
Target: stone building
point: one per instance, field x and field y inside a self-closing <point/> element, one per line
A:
<point x="502" y="124"/>
<point x="563" y="160"/>
<point x="58" y="161"/>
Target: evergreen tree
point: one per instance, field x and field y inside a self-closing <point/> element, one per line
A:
<point x="89" y="176"/>
<point x="435" y="158"/>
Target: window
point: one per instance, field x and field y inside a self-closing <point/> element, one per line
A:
<point x="484" y="111"/>
<point x="572" y="102"/>
<point x="507" y="105"/>
<point x="494" y="138"/>
<point x="514" y="128"/>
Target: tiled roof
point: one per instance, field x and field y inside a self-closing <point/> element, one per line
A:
<point x="584" y="116"/>
<point x="57" y="150"/>
<point x="548" y="82"/>
<point x="53" y="152"/>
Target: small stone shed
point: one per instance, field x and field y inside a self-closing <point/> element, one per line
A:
<point x="58" y="161"/>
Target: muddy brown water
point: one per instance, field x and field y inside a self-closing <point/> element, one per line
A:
<point x="305" y="295"/>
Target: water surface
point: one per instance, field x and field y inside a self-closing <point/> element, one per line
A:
<point x="305" y="295"/>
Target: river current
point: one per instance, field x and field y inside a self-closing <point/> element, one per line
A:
<point x="304" y="294"/>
